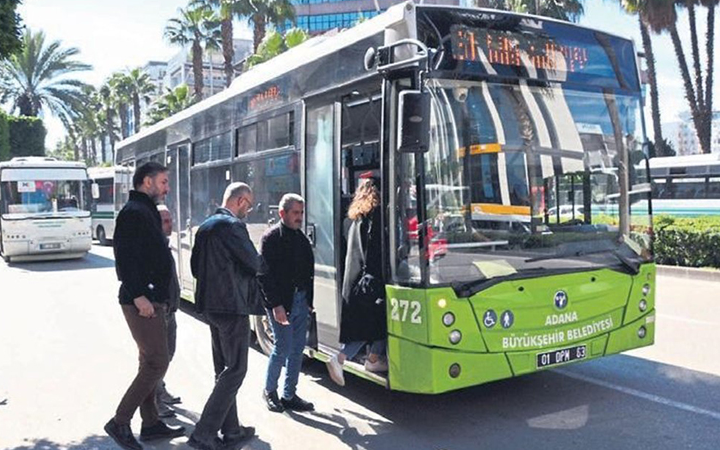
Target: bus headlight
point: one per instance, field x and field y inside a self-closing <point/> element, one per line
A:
<point x="646" y="290"/>
<point x="455" y="336"/>
<point x="642" y="305"/>
<point x="448" y="319"/>
<point x="642" y="332"/>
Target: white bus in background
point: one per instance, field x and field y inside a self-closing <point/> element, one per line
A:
<point x="43" y="209"/>
<point x="105" y="181"/>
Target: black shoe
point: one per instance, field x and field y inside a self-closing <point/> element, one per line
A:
<point x="165" y="397"/>
<point x="272" y="401"/>
<point x="297" y="404"/>
<point x="122" y="435"/>
<point x="214" y="444"/>
<point x="160" y="431"/>
<point x="234" y="440"/>
<point x="164" y="411"/>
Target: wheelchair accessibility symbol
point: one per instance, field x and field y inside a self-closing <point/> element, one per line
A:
<point x="489" y="318"/>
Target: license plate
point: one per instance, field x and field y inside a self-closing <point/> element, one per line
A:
<point x="561" y="356"/>
<point x="49" y="246"/>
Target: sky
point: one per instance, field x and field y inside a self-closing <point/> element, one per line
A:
<point x="116" y="34"/>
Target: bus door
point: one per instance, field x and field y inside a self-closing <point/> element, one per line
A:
<point x="321" y="218"/>
<point x="171" y="201"/>
<point x="182" y="226"/>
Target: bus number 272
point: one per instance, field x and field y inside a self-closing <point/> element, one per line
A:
<point x="400" y="308"/>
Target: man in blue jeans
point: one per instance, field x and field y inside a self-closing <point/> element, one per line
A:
<point x="287" y="268"/>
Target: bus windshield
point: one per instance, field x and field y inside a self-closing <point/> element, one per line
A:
<point x="42" y="196"/>
<point x="524" y="178"/>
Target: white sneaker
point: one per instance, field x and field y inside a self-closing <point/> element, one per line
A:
<point x="336" y="371"/>
<point x="380" y="365"/>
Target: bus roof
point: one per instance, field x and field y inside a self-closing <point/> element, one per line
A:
<point x="286" y="62"/>
<point x="41" y="162"/>
<point x="96" y="173"/>
<point x="685" y="160"/>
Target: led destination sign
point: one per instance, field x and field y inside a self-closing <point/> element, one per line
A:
<point x="519" y="49"/>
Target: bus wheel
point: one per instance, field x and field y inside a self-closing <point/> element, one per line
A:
<point x="100" y="233"/>
<point x="264" y="334"/>
<point x="6" y="258"/>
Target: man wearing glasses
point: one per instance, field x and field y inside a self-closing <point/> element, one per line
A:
<point x="225" y="263"/>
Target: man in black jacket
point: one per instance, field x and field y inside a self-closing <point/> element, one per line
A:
<point x="143" y="265"/>
<point x="224" y="262"/>
<point x="286" y="277"/>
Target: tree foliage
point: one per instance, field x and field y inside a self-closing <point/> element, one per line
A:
<point x="226" y="10"/>
<point x="261" y="13"/>
<point x="10" y="28"/>
<point x="4" y="137"/>
<point x="568" y="10"/>
<point x="37" y="78"/>
<point x="27" y="136"/>
<point x="174" y="101"/>
<point x="198" y="27"/>
<point x="275" y="43"/>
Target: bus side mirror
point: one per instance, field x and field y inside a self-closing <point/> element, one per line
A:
<point x="414" y="110"/>
<point x="95" y="191"/>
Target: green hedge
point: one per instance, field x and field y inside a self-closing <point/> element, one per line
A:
<point x="691" y="242"/>
<point x="27" y="136"/>
<point x="4" y="137"/>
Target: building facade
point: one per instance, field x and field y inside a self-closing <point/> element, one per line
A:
<point x="180" y="69"/>
<point x="684" y="137"/>
<point x="319" y="16"/>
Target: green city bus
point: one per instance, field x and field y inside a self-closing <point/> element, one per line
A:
<point x="510" y="153"/>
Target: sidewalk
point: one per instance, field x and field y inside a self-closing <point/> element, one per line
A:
<point x="689" y="272"/>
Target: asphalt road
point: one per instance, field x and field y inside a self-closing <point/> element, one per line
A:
<point x="66" y="358"/>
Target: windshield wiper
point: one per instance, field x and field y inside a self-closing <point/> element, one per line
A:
<point x="469" y="288"/>
<point x="633" y="266"/>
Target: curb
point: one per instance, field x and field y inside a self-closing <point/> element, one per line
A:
<point x="689" y="272"/>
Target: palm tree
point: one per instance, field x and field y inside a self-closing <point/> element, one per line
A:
<point x="641" y="9"/>
<point x="174" y="101"/>
<point x="36" y="78"/>
<point x="661" y="15"/>
<point x="107" y="102"/>
<point x="197" y="26"/>
<point x="141" y="88"/>
<point x="120" y="86"/>
<point x="227" y="10"/>
<point x="260" y="13"/>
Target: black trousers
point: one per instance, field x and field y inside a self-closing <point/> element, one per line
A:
<point x="230" y="340"/>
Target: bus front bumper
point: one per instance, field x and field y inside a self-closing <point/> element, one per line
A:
<point x="421" y="369"/>
<point x="31" y="250"/>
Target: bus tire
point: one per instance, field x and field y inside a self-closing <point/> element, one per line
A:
<point x="6" y="258"/>
<point x="264" y="334"/>
<point x="100" y="233"/>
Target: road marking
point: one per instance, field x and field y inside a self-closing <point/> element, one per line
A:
<point x="681" y="319"/>
<point x="641" y="394"/>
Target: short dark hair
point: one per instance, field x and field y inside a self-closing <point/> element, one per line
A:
<point x="149" y="169"/>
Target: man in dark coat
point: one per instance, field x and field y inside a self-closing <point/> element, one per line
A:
<point x="286" y="278"/>
<point x="224" y="262"/>
<point x="163" y="398"/>
<point x="143" y="265"/>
